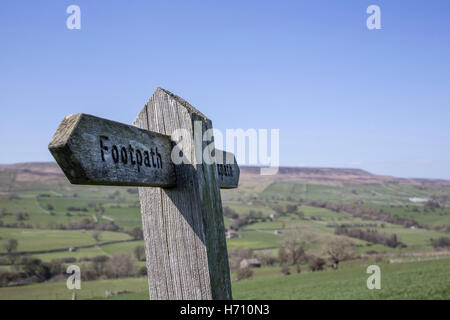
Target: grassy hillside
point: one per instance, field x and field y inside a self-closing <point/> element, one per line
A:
<point x="43" y="212"/>
<point x="413" y="280"/>
<point x="418" y="280"/>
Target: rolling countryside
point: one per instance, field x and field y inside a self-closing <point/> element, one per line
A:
<point x="304" y="233"/>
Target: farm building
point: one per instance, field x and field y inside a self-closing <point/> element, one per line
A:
<point x="232" y="234"/>
<point x="252" y="263"/>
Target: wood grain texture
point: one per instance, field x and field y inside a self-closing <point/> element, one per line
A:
<point x="92" y="150"/>
<point x="184" y="231"/>
<point x="96" y="151"/>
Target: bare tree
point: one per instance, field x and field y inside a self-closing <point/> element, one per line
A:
<point x="122" y="265"/>
<point x="282" y="256"/>
<point x="294" y="250"/>
<point x="139" y="253"/>
<point x="97" y="236"/>
<point x="137" y="233"/>
<point x="10" y="248"/>
<point x="316" y="264"/>
<point x="294" y="244"/>
<point x="98" y="263"/>
<point x="244" y="273"/>
<point x="291" y="208"/>
<point x="338" y="249"/>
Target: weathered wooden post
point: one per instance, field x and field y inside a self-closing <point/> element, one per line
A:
<point x="181" y="205"/>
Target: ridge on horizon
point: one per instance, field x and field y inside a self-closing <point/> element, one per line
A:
<point x="288" y="173"/>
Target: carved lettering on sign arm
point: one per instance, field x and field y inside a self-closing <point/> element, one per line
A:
<point x="142" y="156"/>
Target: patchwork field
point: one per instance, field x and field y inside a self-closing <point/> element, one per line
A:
<point x="42" y="216"/>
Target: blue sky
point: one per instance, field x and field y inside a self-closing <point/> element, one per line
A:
<point x="341" y="95"/>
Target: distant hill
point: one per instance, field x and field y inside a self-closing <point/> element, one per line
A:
<point x="49" y="171"/>
<point x="37" y="168"/>
<point x="335" y="175"/>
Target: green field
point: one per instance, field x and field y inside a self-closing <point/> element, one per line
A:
<point x="413" y="280"/>
<point x="41" y="239"/>
<point x="59" y="291"/>
<point x="40" y="215"/>
<point x="418" y="280"/>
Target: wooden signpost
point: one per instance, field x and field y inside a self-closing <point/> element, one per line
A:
<point x="181" y="206"/>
